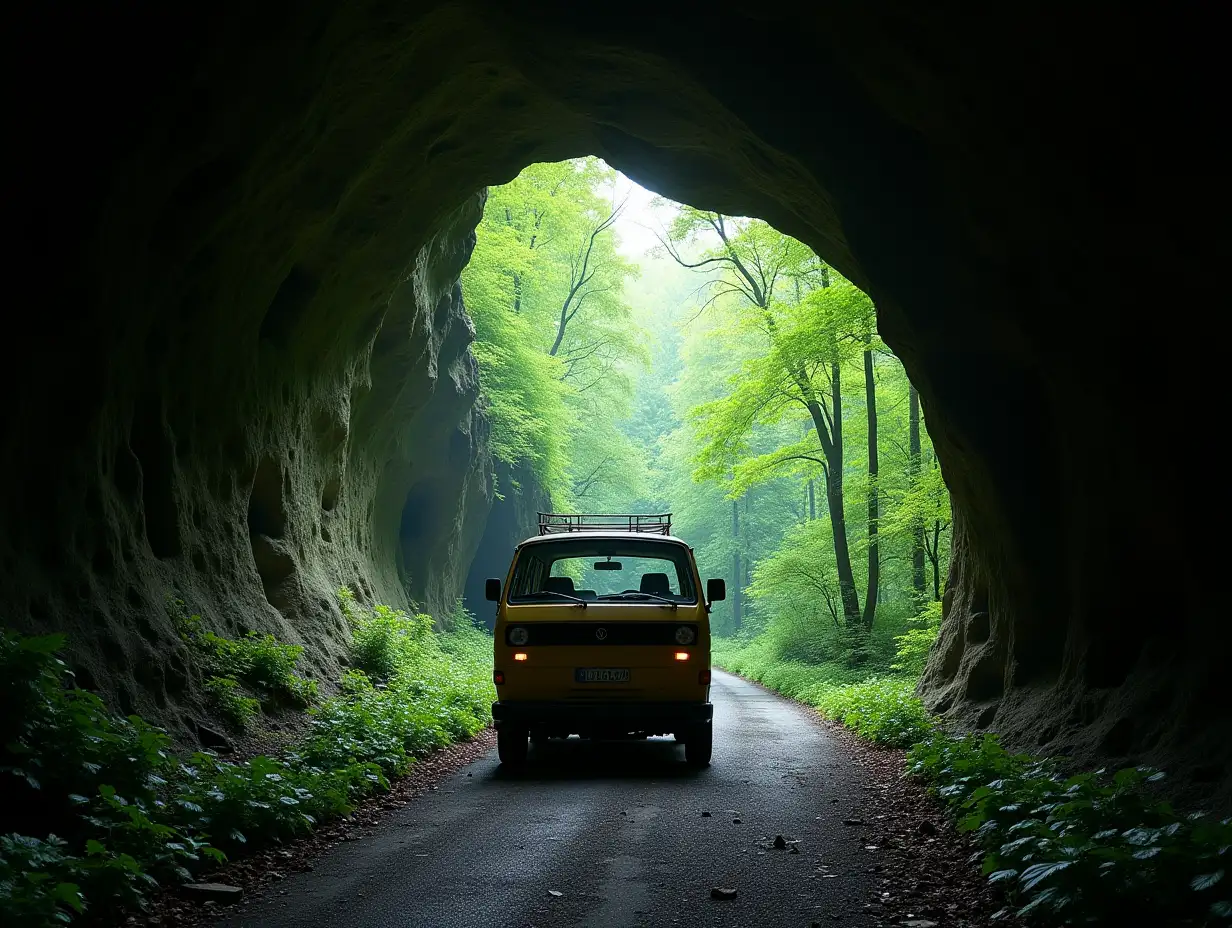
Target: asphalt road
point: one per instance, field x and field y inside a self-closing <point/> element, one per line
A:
<point x="618" y="831"/>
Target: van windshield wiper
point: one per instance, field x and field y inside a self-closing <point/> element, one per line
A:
<point x="574" y="599"/>
<point x="662" y="599"/>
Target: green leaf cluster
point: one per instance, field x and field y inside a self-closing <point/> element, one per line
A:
<point x="245" y="674"/>
<point x="884" y="710"/>
<point x="915" y="643"/>
<point x="1089" y="848"/>
<point x="93" y="783"/>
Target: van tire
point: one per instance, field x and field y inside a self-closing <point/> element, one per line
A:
<point x="698" y="746"/>
<point x="512" y="745"/>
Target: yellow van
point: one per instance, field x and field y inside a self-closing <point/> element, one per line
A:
<point x="602" y="631"/>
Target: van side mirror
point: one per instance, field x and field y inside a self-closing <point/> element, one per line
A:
<point x="716" y="589"/>
<point x="491" y="590"/>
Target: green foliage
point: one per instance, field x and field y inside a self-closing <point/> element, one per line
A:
<point x="265" y="799"/>
<point x="555" y="339"/>
<point x="915" y="643"/>
<point x="461" y="619"/>
<point x="229" y="701"/>
<point x="260" y="662"/>
<point x="122" y="816"/>
<point x="384" y="639"/>
<point x="884" y="710"/>
<point x="796" y="636"/>
<point x="94" y="782"/>
<point x="1091" y="848"/>
<point x="36" y="881"/>
<point x="434" y="689"/>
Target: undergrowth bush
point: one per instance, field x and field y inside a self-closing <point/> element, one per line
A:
<point x="240" y="670"/>
<point x="121" y="815"/>
<point x="756" y="660"/>
<point x="915" y="643"/>
<point x="425" y="689"/>
<point x="1091" y="848"/>
<point x="229" y="701"/>
<point x="93" y="783"/>
<point x="883" y="709"/>
<point x="383" y="640"/>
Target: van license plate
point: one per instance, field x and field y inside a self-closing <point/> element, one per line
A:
<point x="601" y="675"/>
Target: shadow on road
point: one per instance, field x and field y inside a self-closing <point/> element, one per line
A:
<point x="576" y="759"/>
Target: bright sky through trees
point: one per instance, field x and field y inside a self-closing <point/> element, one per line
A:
<point x="640" y="219"/>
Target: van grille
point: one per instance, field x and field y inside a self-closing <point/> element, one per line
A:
<point x="601" y="633"/>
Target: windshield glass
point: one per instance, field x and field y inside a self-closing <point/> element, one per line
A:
<point x="606" y="570"/>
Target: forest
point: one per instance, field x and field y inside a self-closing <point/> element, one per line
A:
<point x="719" y="370"/>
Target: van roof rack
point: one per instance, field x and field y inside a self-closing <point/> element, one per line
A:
<point x="556" y="523"/>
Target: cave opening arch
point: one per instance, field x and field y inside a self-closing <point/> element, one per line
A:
<point x="265" y="239"/>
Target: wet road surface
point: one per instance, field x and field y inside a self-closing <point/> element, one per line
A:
<point x="618" y="831"/>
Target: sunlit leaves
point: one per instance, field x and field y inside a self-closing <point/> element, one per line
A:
<point x="554" y="335"/>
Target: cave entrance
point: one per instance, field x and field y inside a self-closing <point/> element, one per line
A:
<point x="640" y="355"/>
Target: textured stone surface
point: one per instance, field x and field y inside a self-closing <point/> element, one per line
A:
<point x="241" y="238"/>
<point x="512" y="519"/>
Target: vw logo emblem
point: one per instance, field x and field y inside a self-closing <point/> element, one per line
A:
<point x="601" y="633"/>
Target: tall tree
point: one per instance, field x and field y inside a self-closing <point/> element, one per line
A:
<point x="913" y="472"/>
<point x="874" y="551"/>
<point x="737" y="573"/>
<point x="806" y="350"/>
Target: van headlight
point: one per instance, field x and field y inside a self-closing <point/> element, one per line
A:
<point x="518" y="636"/>
<point x="685" y="635"/>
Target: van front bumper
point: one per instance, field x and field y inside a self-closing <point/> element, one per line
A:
<point x="577" y="716"/>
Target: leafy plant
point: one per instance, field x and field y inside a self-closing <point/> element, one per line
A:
<point x="228" y="700"/>
<point x="384" y="639"/>
<point x="38" y="881"/>
<point x="260" y="662"/>
<point x="1091" y="848"/>
<point x="882" y="709"/>
<point x="915" y="643"/>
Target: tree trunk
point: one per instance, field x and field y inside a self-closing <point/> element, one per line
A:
<point x="937" y="560"/>
<point x="560" y="330"/>
<point x="737" y="612"/>
<point x="913" y="473"/>
<point x="874" y="553"/>
<point x="832" y="448"/>
<point x="812" y="501"/>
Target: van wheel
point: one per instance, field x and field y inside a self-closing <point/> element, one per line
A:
<point x="512" y="745"/>
<point x="698" y="746"/>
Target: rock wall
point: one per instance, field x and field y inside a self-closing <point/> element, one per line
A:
<point x="254" y="492"/>
<point x="513" y="518"/>
<point x="220" y="227"/>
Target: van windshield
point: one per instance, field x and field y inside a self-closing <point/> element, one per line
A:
<point x="603" y="570"/>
